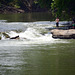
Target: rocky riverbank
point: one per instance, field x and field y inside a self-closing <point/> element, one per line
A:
<point x="63" y="34"/>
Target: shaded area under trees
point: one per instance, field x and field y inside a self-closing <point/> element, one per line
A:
<point x="57" y="7"/>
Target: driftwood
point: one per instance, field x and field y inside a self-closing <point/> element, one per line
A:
<point x="16" y="37"/>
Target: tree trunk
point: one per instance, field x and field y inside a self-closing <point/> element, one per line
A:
<point x="28" y="4"/>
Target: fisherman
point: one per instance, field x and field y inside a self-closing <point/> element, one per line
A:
<point x="57" y="22"/>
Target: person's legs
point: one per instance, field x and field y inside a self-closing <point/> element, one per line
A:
<point x="57" y="24"/>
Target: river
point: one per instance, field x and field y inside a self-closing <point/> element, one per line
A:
<point x="36" y="52"/>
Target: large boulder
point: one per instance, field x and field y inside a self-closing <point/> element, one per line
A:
<point x="63" y="34"/>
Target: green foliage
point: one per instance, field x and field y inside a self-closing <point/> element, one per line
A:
<point x="58" y="7"/>
<point x="35" y="1"/>
<point x="6" y="2"/>
<point x="61" y="6"/>
<point x="45" y="3"/>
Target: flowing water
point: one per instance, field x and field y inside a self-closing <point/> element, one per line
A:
<point x="35" y="52"/>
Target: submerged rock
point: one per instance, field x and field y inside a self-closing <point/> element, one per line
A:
<point x="6" y="35"/>
<point x="63" y="34"/>
<point x="0" y="37"/>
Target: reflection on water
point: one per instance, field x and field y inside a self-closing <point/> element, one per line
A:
<point x="34" y="16"/>
<point x="27" y="17"/>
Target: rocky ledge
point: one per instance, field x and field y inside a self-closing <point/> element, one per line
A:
<point x="5" y="35"/>
<point x="63" y="34"/>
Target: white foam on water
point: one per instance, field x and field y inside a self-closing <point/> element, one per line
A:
<point x="32" y="35"/>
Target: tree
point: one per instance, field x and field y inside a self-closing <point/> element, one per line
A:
<point x="9" y="2"/>
<point x="27" y="3"/>
<point x="45" y="3"/>
<point x="63" y="6"/>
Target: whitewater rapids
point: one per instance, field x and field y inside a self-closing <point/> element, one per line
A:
<point x="29" y="33"/>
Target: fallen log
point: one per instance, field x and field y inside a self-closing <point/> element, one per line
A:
<point x="16" y="37"/>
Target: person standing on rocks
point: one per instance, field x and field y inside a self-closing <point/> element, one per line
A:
<point x="57" y="22"/>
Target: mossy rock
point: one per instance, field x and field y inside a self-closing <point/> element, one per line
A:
<point x="18" y="31"/>
<point x="0" y="37"/>
<point x="6" y="35"/>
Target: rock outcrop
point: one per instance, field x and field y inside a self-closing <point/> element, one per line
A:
<point x="5" y="35"/>
<point x="63" y="34"/>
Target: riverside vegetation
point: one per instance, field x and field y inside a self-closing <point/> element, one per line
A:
<point x="56" y="7"/>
